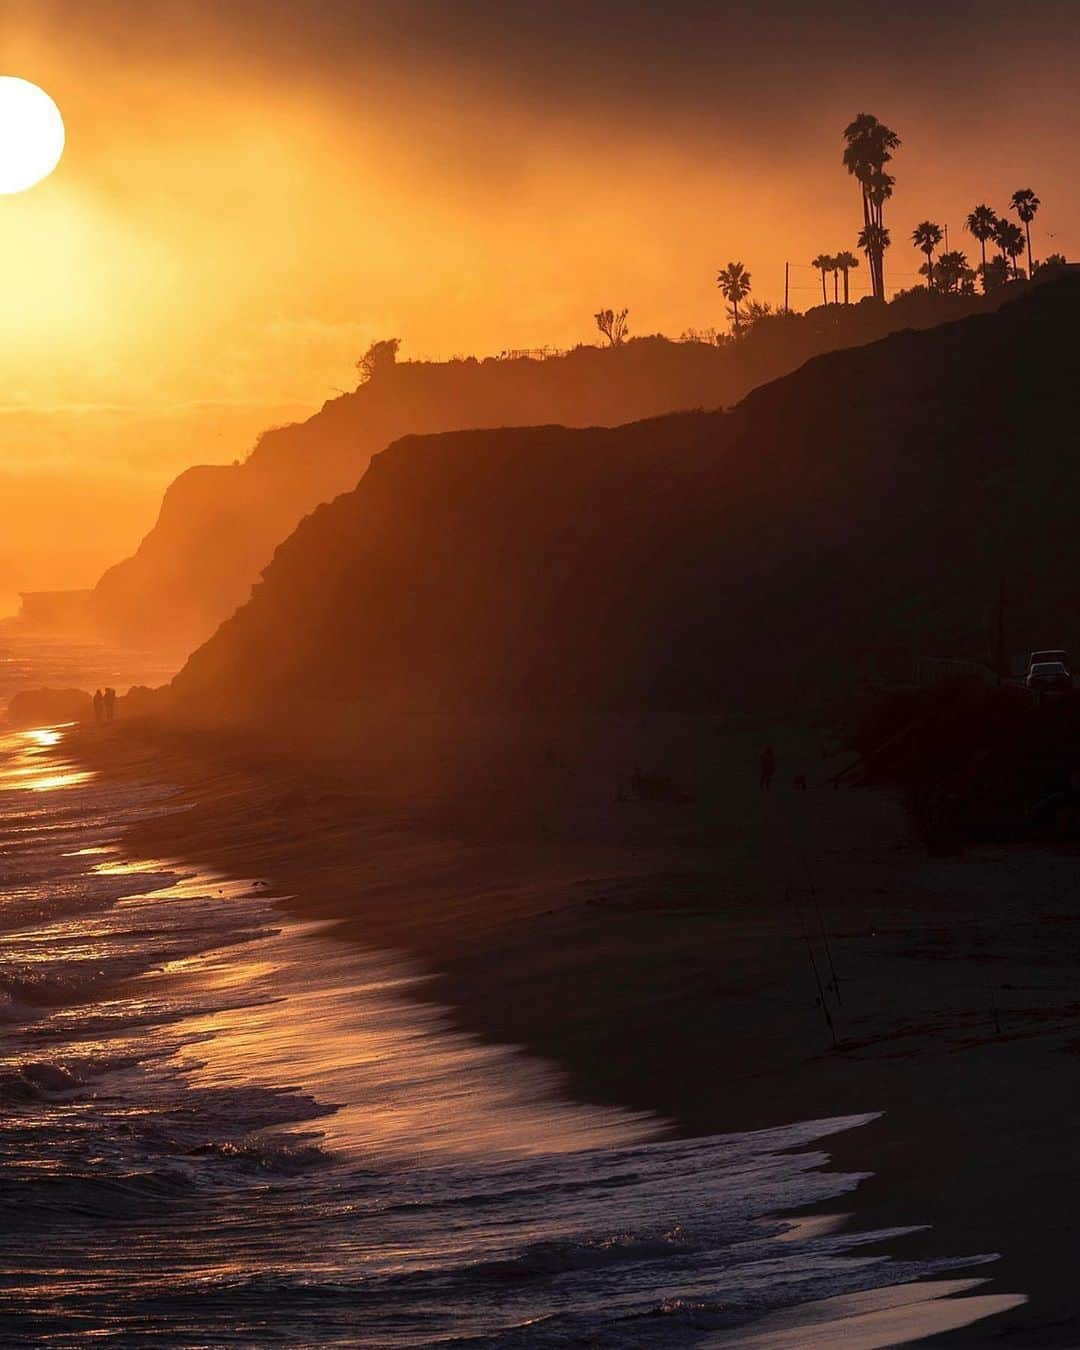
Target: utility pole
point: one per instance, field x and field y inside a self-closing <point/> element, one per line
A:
<point x="946" y="238"/>
<point x="787" y="284"/>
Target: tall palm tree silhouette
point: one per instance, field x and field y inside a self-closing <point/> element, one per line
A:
<point x="734" y="283"/>
<point x="981" y="223"/>
<point x="1010" y="239"/>
<point x="846" y="262"/>
<point x="926" y="235"/>
<point x="1025" y="204"/>
<point x="868" y="148"/>
<point x="824" y="264"/>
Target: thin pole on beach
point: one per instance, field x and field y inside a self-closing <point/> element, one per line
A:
<point x="822" y="1000"/>
<point x="821" y="926"/>
<point x="989" y="983"/>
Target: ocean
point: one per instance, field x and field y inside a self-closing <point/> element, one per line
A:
<point x="224" y="1127"/>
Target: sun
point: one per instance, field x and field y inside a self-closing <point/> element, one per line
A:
<point x="31" y="134"/>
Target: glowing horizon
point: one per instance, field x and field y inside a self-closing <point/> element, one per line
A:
<point x="246" y="201"/>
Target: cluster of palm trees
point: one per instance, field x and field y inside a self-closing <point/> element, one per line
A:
<point x="987" y="226"/>
<point x="838" y="265"/>
<point x="869" y="146"/>
<point x="951" y="270"/>
<point x="868" y="149"/>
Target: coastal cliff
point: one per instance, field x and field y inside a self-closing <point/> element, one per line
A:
<point x="842" y="521"/>
<point x="218" y="525"/>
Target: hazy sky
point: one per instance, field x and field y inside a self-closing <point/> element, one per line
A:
<point x="253" y="190"/>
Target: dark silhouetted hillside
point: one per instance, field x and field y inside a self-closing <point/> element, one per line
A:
<point x="842" y="520"/>
<point x="219" y="525"/>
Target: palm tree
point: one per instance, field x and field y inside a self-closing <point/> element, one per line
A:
<point x="1025" y="204"/>
<point x="845" y="263"/>
<point x="981" y="223"/>
<point x="874" y="240"/>
<point x="734" y="283"/>
<point x="880" y="185"/>
<point x="869" y="146"/>
<point x="927" y="236"/>
<point x="824" y="263"/>
<point x="1010" y="239"/>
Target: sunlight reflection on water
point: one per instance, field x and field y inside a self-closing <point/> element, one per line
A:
<point x="23" y="769"/>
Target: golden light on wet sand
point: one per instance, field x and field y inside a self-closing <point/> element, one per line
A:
<point x="31" y="134"/>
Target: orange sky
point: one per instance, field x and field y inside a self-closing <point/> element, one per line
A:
<point x="246" y="201"/>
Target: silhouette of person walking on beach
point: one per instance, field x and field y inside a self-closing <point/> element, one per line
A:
<point x="768" y="769"/>
<point x="99" y="705"/>
<point x="110" y="704"/>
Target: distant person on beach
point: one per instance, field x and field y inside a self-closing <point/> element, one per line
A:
<point x="110" y="704"/>
<point x="99" y="705"/>
<point x="768" y="768"/>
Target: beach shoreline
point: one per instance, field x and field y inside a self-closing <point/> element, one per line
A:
<point x="663" y="962"/>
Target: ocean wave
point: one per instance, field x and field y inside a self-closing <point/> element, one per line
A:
<point x="74" y="1197"/>
<point x="283" y="1155"/>
<point x="542" y="1260"/>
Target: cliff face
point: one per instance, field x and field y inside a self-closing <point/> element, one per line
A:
<point x="218" y="526"/>
<point x="859" y="511"/>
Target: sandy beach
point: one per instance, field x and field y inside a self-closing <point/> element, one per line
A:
<point x="658" y="953"/>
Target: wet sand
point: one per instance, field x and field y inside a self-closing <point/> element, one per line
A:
<point x="657" y="952"/>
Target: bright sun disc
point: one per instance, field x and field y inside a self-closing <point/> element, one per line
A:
<point x="31" y="134"/>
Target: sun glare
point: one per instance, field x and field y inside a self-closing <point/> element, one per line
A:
<point x="31" y="134"/>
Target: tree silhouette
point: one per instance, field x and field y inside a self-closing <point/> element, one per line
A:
<point x="868" y="148"/>
<point x="981" y="223"/>
<point x="1010" y="239"/>
<point x="734" y="283"/>
<point x="846" y="262"/>
<point x="926" y="236"/>
<point x="874" y="240"/>
<point x="824" y="264"/>
<point x="378" y="359"/>
<point x="951" y="272"/>
<point x="613" y="326"/>
<point x="756" y="310"/>
<point x="994" y="273"/>
<point x="1054" y="260"/>
<point x="1025" y="204"/>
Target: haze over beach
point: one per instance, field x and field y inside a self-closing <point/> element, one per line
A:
<point x="539" y="750"/>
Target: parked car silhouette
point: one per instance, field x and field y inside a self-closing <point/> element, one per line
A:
<point x="1048" y="677"/>
<point x="1044" y="658"/>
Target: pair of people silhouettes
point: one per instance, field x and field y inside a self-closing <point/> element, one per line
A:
<point x="104" y="705"/>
